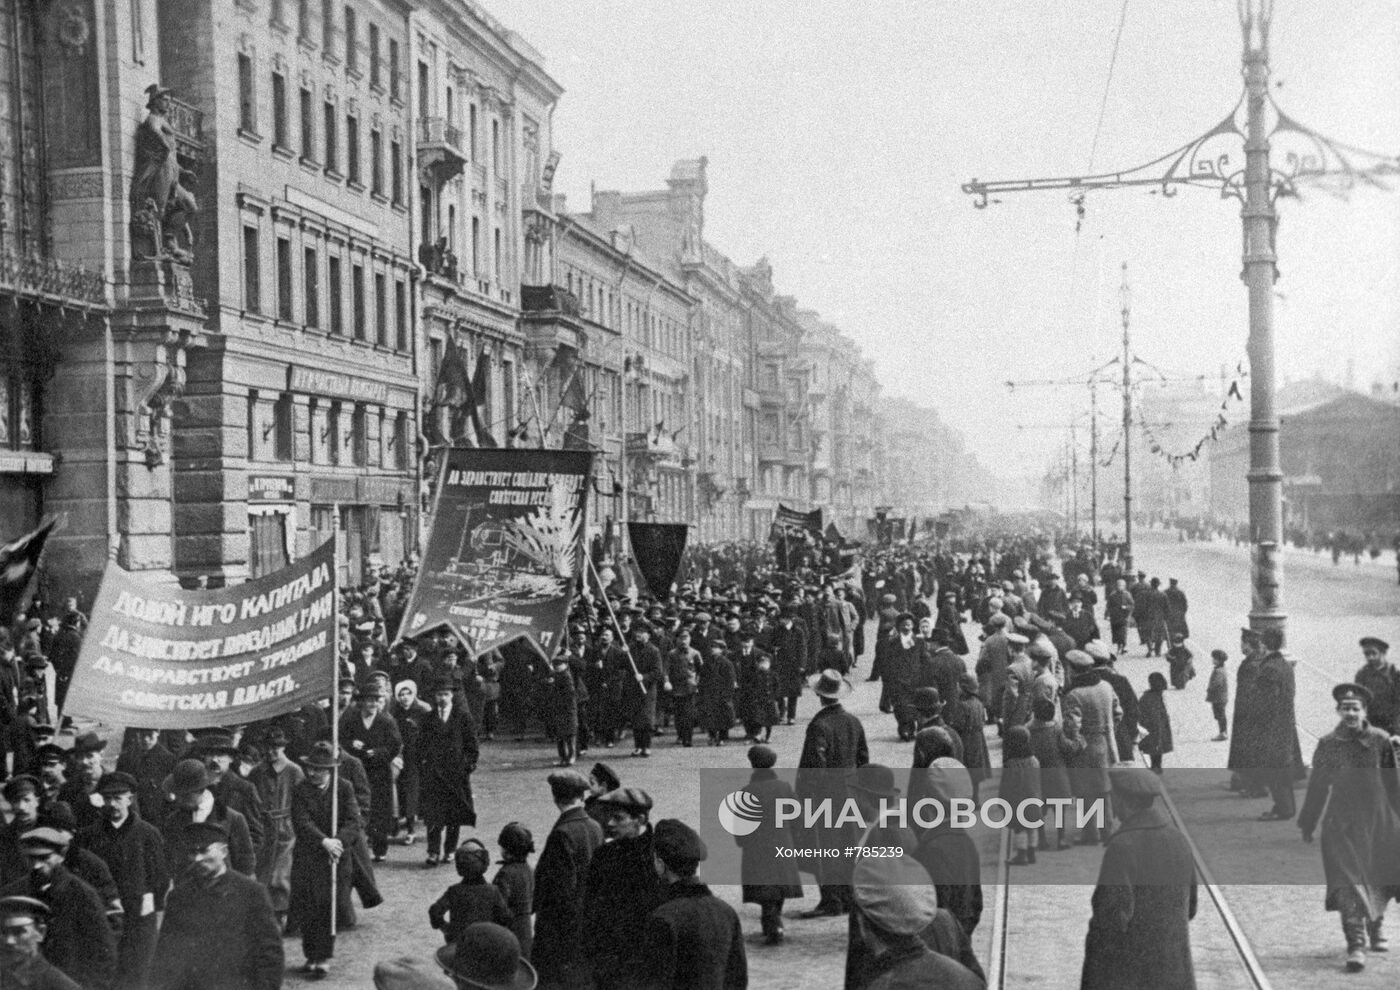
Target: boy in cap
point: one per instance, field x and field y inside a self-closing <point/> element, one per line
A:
<point x="1381" y="678"/>
<point x="692" y="939"/>
<point x="470" y="900"/>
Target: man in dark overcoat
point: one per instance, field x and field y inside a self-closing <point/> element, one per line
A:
<point x="135" y="853"/>
<point x="1274" y="690"/>
<point x="219" y="932"/>
<point x="1354" y="777"/>
<point x="150" y="763"/>
<point x="1380" y="677"/>
<point x="768" y="880"/>
<point x="692" y="939"/>
<point x="447" y="755"/>
<point x="789" y="661"/>
<point x="621" y="892"/>
<point x="322" y="839"/>
<point x="372" y="736"/>
<point x="835" y="742"/>
<point x="560" y="876"/>
<point x="1139" y="934"/>
<point x="949" y="621"/>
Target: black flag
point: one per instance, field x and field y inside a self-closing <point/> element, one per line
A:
<point x="18" y="562"/>
<point x="657" y="549"/>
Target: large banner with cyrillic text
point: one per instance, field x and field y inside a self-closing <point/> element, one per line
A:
<point x="505" y="547"/>
<point x="167" y="658"/>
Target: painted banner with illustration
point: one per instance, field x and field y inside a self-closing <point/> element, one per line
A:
<point x="169" y="658"/>
<point x="505" y="549"/>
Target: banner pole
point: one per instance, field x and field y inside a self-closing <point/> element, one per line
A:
<point x="335" y="715"/>
<point x="612" y="615"/>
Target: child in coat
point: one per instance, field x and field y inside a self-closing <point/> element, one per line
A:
<point x="717" y="686"/>
<point x="1054" y="744"/>
<point x="1020" y="780"/>
<point x="1218" y="693"/>
<point x="1179" y="658"/>
<point x="1152" y="716"/>
<point x="516" y="882"/>
<point x="473" y="899"/>
<point x="562" y="706"/>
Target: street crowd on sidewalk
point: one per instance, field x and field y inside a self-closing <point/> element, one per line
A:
<point x="184" y="859"/>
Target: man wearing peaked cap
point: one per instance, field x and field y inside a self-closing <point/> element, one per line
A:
<point x="560" y="875"/>
<point x="25" y="923"/>
<point x="1139" y="934"/>
<point x="134" y="851"/>
<point x="1361" y="829"/>
<point x="79" y="940"/>
<point x="693" y="938"/>
<point x="1381" y="678"/>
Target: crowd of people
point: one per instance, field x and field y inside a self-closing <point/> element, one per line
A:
<point x="184" y="859"/>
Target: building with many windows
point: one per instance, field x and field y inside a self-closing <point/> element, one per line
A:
<point x="237" y="238"/>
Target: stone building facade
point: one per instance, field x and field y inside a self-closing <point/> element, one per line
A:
<point x="237" y="237"/>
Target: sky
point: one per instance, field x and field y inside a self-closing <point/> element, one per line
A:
<point x="838" y="135"/>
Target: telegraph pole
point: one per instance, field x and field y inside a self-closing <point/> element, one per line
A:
<point x="1126" y="300"/>
<point x="1208" y="161"/>
<point x="1074" y="475"/>
<point x="1094" y="463"/>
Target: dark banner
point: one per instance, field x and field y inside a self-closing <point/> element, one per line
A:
<point x="18" y="562"/>
<point x="793" y="522"/>
<point x="505" y="548"/>
<point x="166" y="658"/>
<point x="657" y="548"/>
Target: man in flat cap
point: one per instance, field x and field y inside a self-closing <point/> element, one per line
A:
<point x="621" y="891"/>
<point x="693" y="939"/>
<point x="1354" y="777"/>
<point x="1379" y="676"/>
<point x="23" y="926"/>
<point x="1139" y="934"/>
<point x="219" y="931"/>
<point x="79" y="941"/>
<point x="22" y="793"/>
<point x="560" y="876"/>
<point x="135" y="853"/>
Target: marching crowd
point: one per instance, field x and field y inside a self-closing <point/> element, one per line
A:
<point x="184" y="859"/>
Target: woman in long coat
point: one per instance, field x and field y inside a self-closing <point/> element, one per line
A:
<point x="447" y="755"/>
<point x="408" y="713"/>
<point x="717" y="687"/>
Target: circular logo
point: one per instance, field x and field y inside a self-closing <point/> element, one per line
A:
<point x="740" y="813"/>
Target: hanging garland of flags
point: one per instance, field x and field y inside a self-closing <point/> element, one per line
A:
<point x="1154" y="443"/>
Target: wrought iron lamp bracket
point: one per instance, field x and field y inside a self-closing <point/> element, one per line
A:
<point x="1215" y="159"/>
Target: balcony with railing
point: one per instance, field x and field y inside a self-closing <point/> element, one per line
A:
<point x="440" y="147"/>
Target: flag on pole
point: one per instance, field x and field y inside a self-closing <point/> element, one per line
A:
<point x="19" y="561"/>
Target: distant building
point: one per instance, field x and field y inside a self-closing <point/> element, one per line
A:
<point x="1340" y="452"/>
